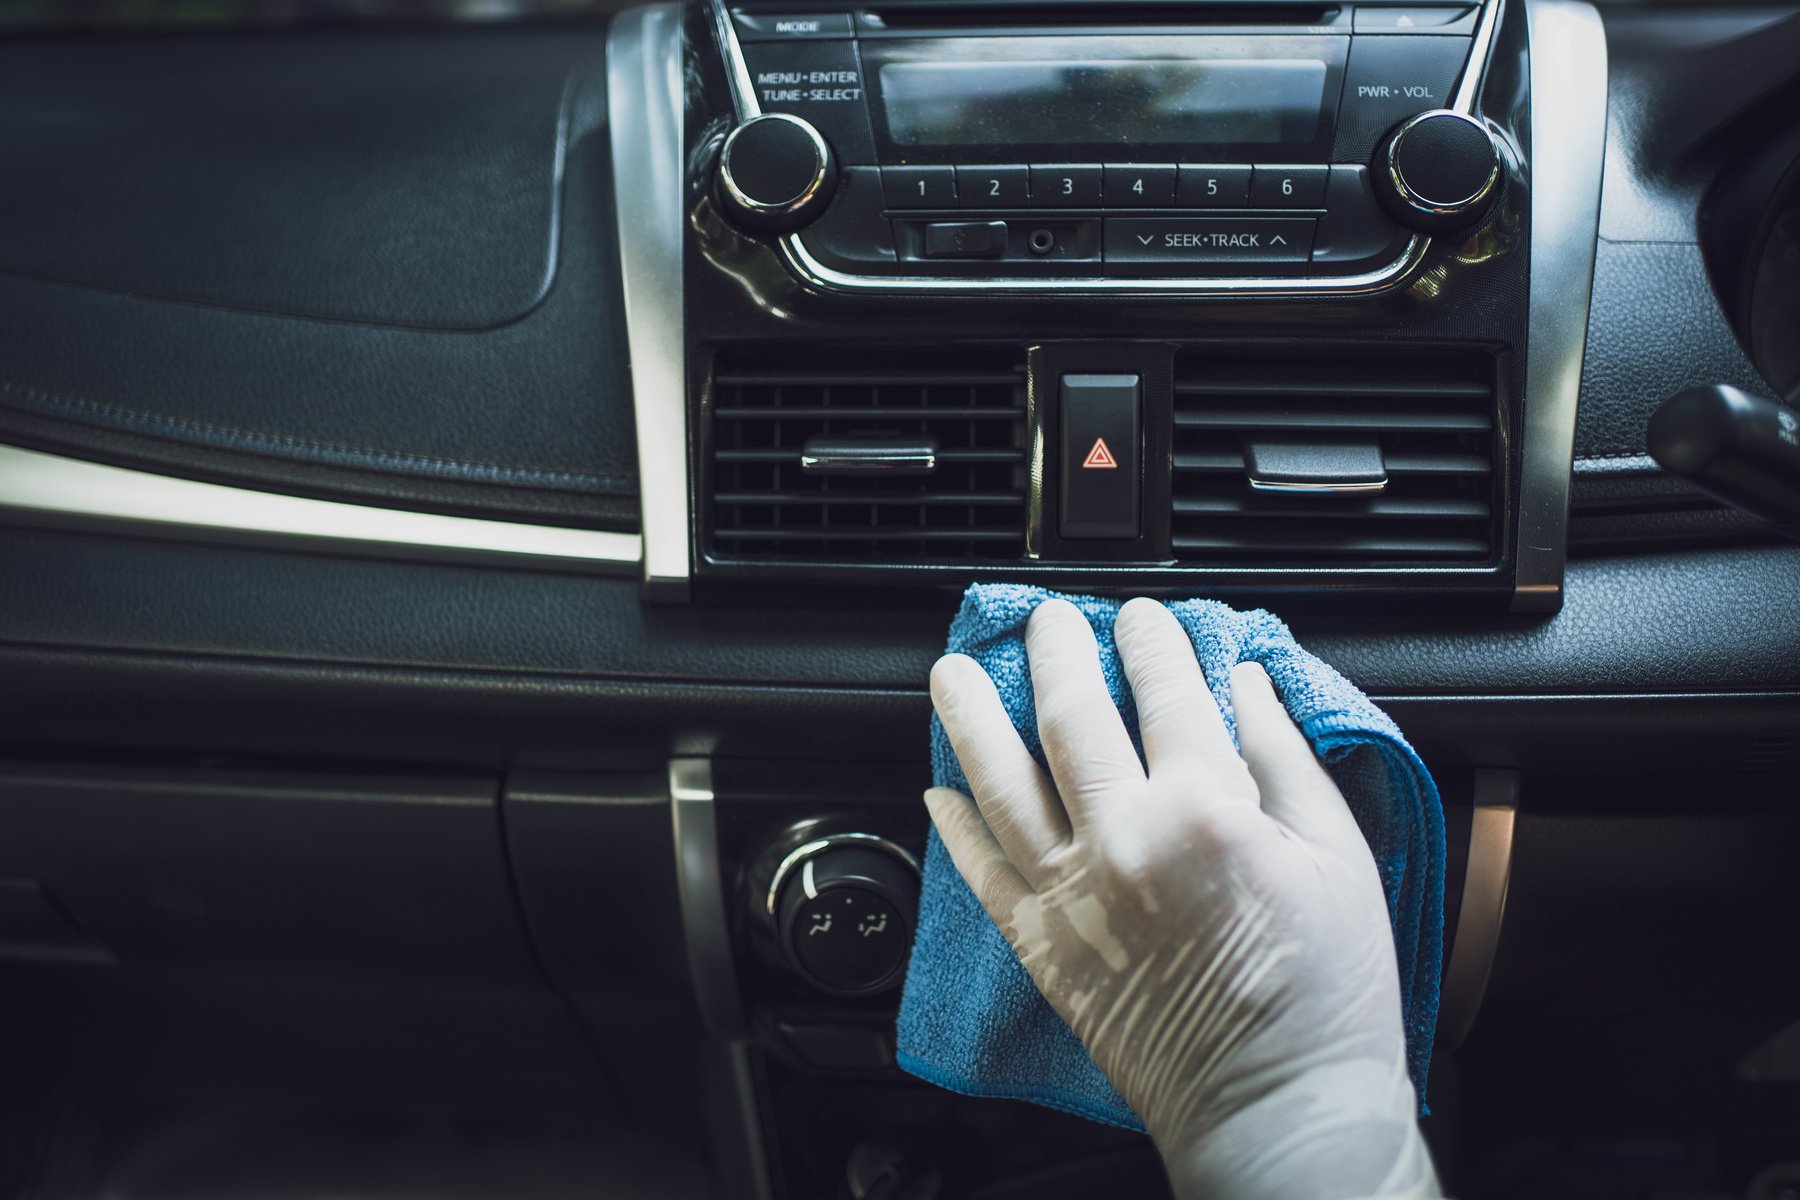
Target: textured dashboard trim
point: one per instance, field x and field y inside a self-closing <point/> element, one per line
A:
<point x="644" y="82"/>
<point x="48" y="489"/>
<point x="1568" y="144"/>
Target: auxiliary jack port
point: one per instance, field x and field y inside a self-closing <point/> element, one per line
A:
<point x="1041" y="241"/>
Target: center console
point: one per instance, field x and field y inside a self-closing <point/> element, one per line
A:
<point x="1278" y="302"/>
<point x="1180" y="297"/>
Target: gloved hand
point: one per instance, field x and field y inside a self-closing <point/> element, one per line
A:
<point x="1213" y="930"/>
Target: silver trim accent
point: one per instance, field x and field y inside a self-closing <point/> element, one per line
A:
<point x="1475" y="74"/>
<point x="829" y="455"/>
<point x="812" y="271"/>
<point x="1567" y="150"/>
<point x="1483" y="908"/>
<point x="807" y="194"/>
<point x="1368" y="283"/>
<point x="702" y="891"/>
<point x="644" y="92"/>
<point x="51" y="490"/>
<point x="1436" y="208"/>
<point x="804" y="853"/>
<point x="1321" y="489"/>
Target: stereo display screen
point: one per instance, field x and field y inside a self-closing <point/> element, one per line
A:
<point x="1144" y="101"/>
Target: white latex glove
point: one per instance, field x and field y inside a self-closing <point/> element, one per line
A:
<point x="1214" y="932"/>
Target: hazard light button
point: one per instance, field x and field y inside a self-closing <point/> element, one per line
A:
<point x="1101" y="472"/>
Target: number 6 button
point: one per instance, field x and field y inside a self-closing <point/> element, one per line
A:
<point x="991" y="187"/>
<point x="1288" y="187"/>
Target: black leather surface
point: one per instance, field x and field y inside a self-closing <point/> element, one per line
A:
<point x="1656" y="325"/>
<point x="384" y="179"/>
<point x="1706" y="621"/>
<point x="1655" y="328"/>
<point x="1662" y="670"/>
<point x="212" y="198"/>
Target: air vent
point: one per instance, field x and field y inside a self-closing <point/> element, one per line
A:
<point x="970" y="505"/>
<point x="1432" y="417"/>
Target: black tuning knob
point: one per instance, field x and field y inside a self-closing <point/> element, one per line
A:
<point x="844" y="908"/>
<point x="776" y="173"/>
<point x="1438" y="172"/>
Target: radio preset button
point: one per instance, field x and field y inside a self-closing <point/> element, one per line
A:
<point x="1066" y="185"/>
<point x="1207" y="186"/>
<point x="1288" y="187"/>
<point x="1139" y="185"/>
<point x="919" y="187"/>
<point x="993" y="187"/>
<point x="1172" y="241"/>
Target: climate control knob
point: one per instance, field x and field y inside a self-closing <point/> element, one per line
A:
<point x="844" y="907"/>
<point x="776" y="173"/>
<point x="1438" y="172"/>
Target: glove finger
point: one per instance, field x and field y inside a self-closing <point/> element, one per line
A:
<point x="1184" y="734"/>
<point x="995" y="881"/>
<point x="1017" y="802"/>
<point x="1295" y="789"/>
<point x="1090" y="754"/>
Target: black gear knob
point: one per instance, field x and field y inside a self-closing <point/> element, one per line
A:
<point x="776" y="173"/>
<point x="1438" y="172"/>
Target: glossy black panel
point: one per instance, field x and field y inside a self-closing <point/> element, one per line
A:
<point x="740" y="292"/>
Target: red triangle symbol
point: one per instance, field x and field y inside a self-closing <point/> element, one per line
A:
<point x="1100" y="455"/>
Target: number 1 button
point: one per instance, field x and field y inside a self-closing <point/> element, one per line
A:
<point x="919" y="187"/>
<point x="1065" y="185"/>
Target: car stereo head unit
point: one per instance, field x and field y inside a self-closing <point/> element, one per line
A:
<point x="1274" y="148"/>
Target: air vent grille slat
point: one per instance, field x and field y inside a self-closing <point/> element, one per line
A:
<point x="971" y="507"/>
<point x="1280" y="509"/>
<point x="1433" y="414"/>
<point x="1325" y="417"/>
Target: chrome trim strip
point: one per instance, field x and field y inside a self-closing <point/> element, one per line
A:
<point x="48" y="489"/>
<point x="804" y="854"/>
<point x="737" y="71"/>
<point x="644" y="93"/>
<point x="702" y="891"/>
<point x="1568" y="148"/>
<point x="1475" y="74"/>
<point x="811" y="270"/>
<point x="1368" y="283"/>
<point x="1483" y="909"/>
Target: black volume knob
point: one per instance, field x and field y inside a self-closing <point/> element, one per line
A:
<point x="1438" y="172"/>
<point x="844" y="908"/>
<point x="776" y="173"/>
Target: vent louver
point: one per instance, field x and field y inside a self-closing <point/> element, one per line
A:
<point x="1432" y="414"/>
<point x="971" y="507"/>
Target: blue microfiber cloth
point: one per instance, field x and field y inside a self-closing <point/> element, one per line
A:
<point x="972" y="1021"/>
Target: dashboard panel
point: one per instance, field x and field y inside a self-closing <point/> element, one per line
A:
<point x="426" y="528"/>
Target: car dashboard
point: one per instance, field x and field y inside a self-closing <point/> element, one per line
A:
<point x="479" y="504"/>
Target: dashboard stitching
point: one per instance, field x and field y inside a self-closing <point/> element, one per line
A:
<point x="270" y="442"/>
